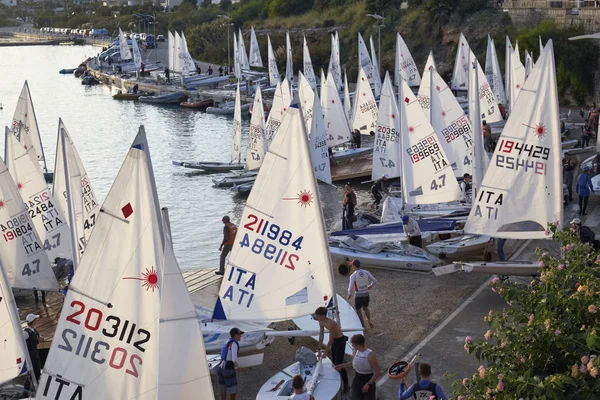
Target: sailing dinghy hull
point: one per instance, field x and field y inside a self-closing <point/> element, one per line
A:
<point x="210" y="166"/>
<point x="506" y="268"/>
<point x="237" y="179"/>
<point x="328" y="386"/>
<point x="351" y="153"/>
<point x="459" y="245"/>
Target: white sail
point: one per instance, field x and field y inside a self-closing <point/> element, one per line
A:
<point x="452" y="126"/>
<point x="517" y="78"/>
<point x="386" y="146"/>
<point x="106" y="343"/>
<point x="427" y="176"/>
<point x="243" y="54"/>
<point x="424" y="91"/>
<point x="188" y="64"/>
<point x="364" y="113"/>
<point x="335" y="67"/>
<point x="279" y="266"/>
<point x="493" y="72"/>
<point x="25" y="126"/>
<point x="22" y="254"/>
<point x="236" y="143"/>
<point x="47" y="216"/>
<point x="347" y="101"/>
<point x="237" y="70"/>
<point x="315" y="127"/>
<point x="487" y="99"/>
<point x="336" y="123"/>
<point x="124" y="47"/>
<point x="137" y="56"/>
<point x="480" y="158"/>
<point x="81" y="193"/>
<point x="526" y="164"/>
<point x="13" y="352"/>
<point x="255" y="58"/>
<point x="289" y="66"/>
<point x="376" y="75"/>
<point x="460" y="75"/>
<point x="528" y="64"/>
<point x="364" y="60"/>
<point x="182" y="369"/>
<point x="507" y="59"/>
<point x="172" y="53"/>
<point x="323" y="83"/>
<point x="405" y="64"/>
<point x="274" y="77"/>
<point x="517" y="53"/>
<point x="255" y="150"/>
<point x="178" y="63"/>
<point x="275" y="116"/>
<point x="541" y="46"/>
<point x="309" y="72"/>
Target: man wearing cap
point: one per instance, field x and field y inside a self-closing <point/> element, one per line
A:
<point x="361" y="282"/>
<point x="32" y="339"/>
<point x="412" y="231"/>
<point x="380" y="185"/>
<point x="229" y="360"/>
<point x="583" y="188"/>
<point x="465" y="186"/>
<point x="586" y="235"/>
<point x="229" y="232"/>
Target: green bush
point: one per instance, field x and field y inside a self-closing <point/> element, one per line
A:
<point x="545" y="345"/>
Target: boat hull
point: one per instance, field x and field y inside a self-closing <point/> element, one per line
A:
<point x="506" y="268"/>
<point x="245" y="108"/>
<point x="239" y="179"/>
<point x="198" y="105"/>
<point x="351" y="153"/>
<point x="210" y="166"/>
<point x="171" y="98"/>
<point x="459" y="245"/>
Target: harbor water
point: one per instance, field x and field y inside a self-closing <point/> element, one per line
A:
<point x="103" y="129"/>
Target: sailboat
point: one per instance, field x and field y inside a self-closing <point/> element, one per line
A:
<point x="236" y="163"/>
<point x="336" y="124"/>
<point x="274" y="77"/>
<point x="26" y="130"/>
<point x="364" y="113"/>
<point x="493" y="73"/>
<point x="289" y="65"/>
<point x="528" y="155"/>
<point x="281" y="101"/>
<point x="243" y="55"/>
<point x="460" y="74"/>
<point x="364" y="61"/>
<point x="255" y="58"/>
<point x="309" y="72"/>
<point x="335" y="68"/>
<point x="424" y="90"/>
<point x="405" y="66"/>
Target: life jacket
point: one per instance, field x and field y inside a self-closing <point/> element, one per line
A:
<point x="425" y="393"/>
<point x="33" y="340"/>
<point x="232" y="232"/>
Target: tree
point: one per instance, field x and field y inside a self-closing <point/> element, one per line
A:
<point x="225" y="4"/>
<point x="545" y="345"/>
<point x="192" y="2"/>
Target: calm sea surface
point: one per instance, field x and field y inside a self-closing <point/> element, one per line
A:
<point x="103" y="129"/>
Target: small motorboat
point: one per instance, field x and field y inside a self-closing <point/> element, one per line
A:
<point x="167" y="98"/>
<point x="198" y="105"/>
<point x="89" y="80"/>
<point x="210" y="166"/>
<point x="236" y="179"/>
<point x="243" y="189"/>
<point x="67" y="70"/>
<point x="227" y="108"/>
<point x="130" y="95"/>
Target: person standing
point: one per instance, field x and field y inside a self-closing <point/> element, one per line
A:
<point x="586" y="235"/>
<point x="221" y="70"/>
<point x="229" y="360"/>
<point x="380" y="185"/>
<point x="424" y="389"/>
<point x="143" y="68"/>
<point x="487" y="137"/>
<point x="583" y="188"/>
<point x="337" y="342"/>
<point x="348" y="217"/>
<point x="361" y="282"/>
<point x="32" y="339"/>
<point x="366" y="368"/>
<point x="585" y="136"/>
<point x="167" y="74"/>
<point x="500" y="245"/>
<point x="412" y="231"/>
<point x="229" y="232"/>
<point x="465" y="187"/>
<point x="569" y="165"/>
<point x="356" y="138"/>
<point x="298" y="386"/>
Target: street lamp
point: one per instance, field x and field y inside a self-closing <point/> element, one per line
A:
<point x="381" y="25"/>
<point x="228" y="18"/>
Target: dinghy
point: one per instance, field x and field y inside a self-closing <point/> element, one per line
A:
<point x="167" y="98"/>
<point x="244" y="188"/>
<point x="493" y="73"/>
<point x="236" y="179"/>
<point x="504" y="268"/>
<point x="227" y="108"/>
<point x="460" y="245"/>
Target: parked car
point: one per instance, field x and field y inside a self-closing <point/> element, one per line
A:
<point x="160" y="38"/>
<point x="150" y="41"/>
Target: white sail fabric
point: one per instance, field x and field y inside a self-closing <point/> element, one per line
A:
<point x="172" y="55"/>
<point x="279" y="266"/>
<point x="178" y="63"/>
<point x="323" y="83"/>
<point x="427" y="176"/>
<point x="517" y="53"/>
<point x="315" y="128"/>
<point x="275" y="116"/>
<point x="188" y="64"/>
<point x="488" y="102"/>
<point x="480" y="158"/>
<point x="244" y="64"/>
<point x="274" y="77"/>
<point x="81" y="192"/>
<point x="364" y="60"/>
<point x="364" y="113"/>
<point x="289" y="66"/>
<point x="347" y="102"/>
<point x="124" y="47"/>
<point x="376" y="75"/>
<point x="255" y="150"/>
<point x="517" y="78"/>
<point x="386" y="146"/>
<point x="405" y="64"/>
<point x="106" y="343"/>
<point x="541" y="46"/>
<point x="13" y="352"/>
<point x="182" y="369"/>
<point x="460" y="75"/>
<point x="452" y="126"/>
<point x="424" y="90"/>
<point x="22" y="254"/>
<point x="309" y="72"/>
<point x="236" y="143"/>
<point x="336" y="123"/>
<point x="255" y="58"/>
<point x="25" y="126"/>
<point x="493" y="72"/>
<point x="237" y="70"/>
<point x="335" y="67"/>
<point x="47" y="216"/>
<point x="137" y="56"/>
<point x="526" y="164"/>
<point x="528" y="64"/>
<point x="507" y="70"/>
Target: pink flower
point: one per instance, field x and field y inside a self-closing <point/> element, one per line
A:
<point x="466" y="347"/>
<point x="460" y="398"/>
<point x="557" y="332"/>
<point x="468" y="339"/>
<point x="583" y="369"/>
<point x="530" y="320"/>
<point x="544" y="254"/>
<point x="585" y="359"/>
<point x="495" y="280"/>
<point x="547" y="325"/>
<point x="522" y="360"/>
<point x="592" y="308"/>
<point x="465" y="381"/>
<point x="561" y="267"/>
<point x="569" y="247"/>
<point x="481" y="371"/>
<point x="593" y="372"/>
<point x="541" y="264"/>
<point x="500" y="386"/>
<point x="488" y="335"/>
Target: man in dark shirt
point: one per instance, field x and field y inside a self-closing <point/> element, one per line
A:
<point x="229" y="232"/>
<point x="356" y="138"/>
<point x="586" y="235"/>
<point x="380" y="185"/>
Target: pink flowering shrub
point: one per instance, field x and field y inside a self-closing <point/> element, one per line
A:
<point x="545" y="345"/>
